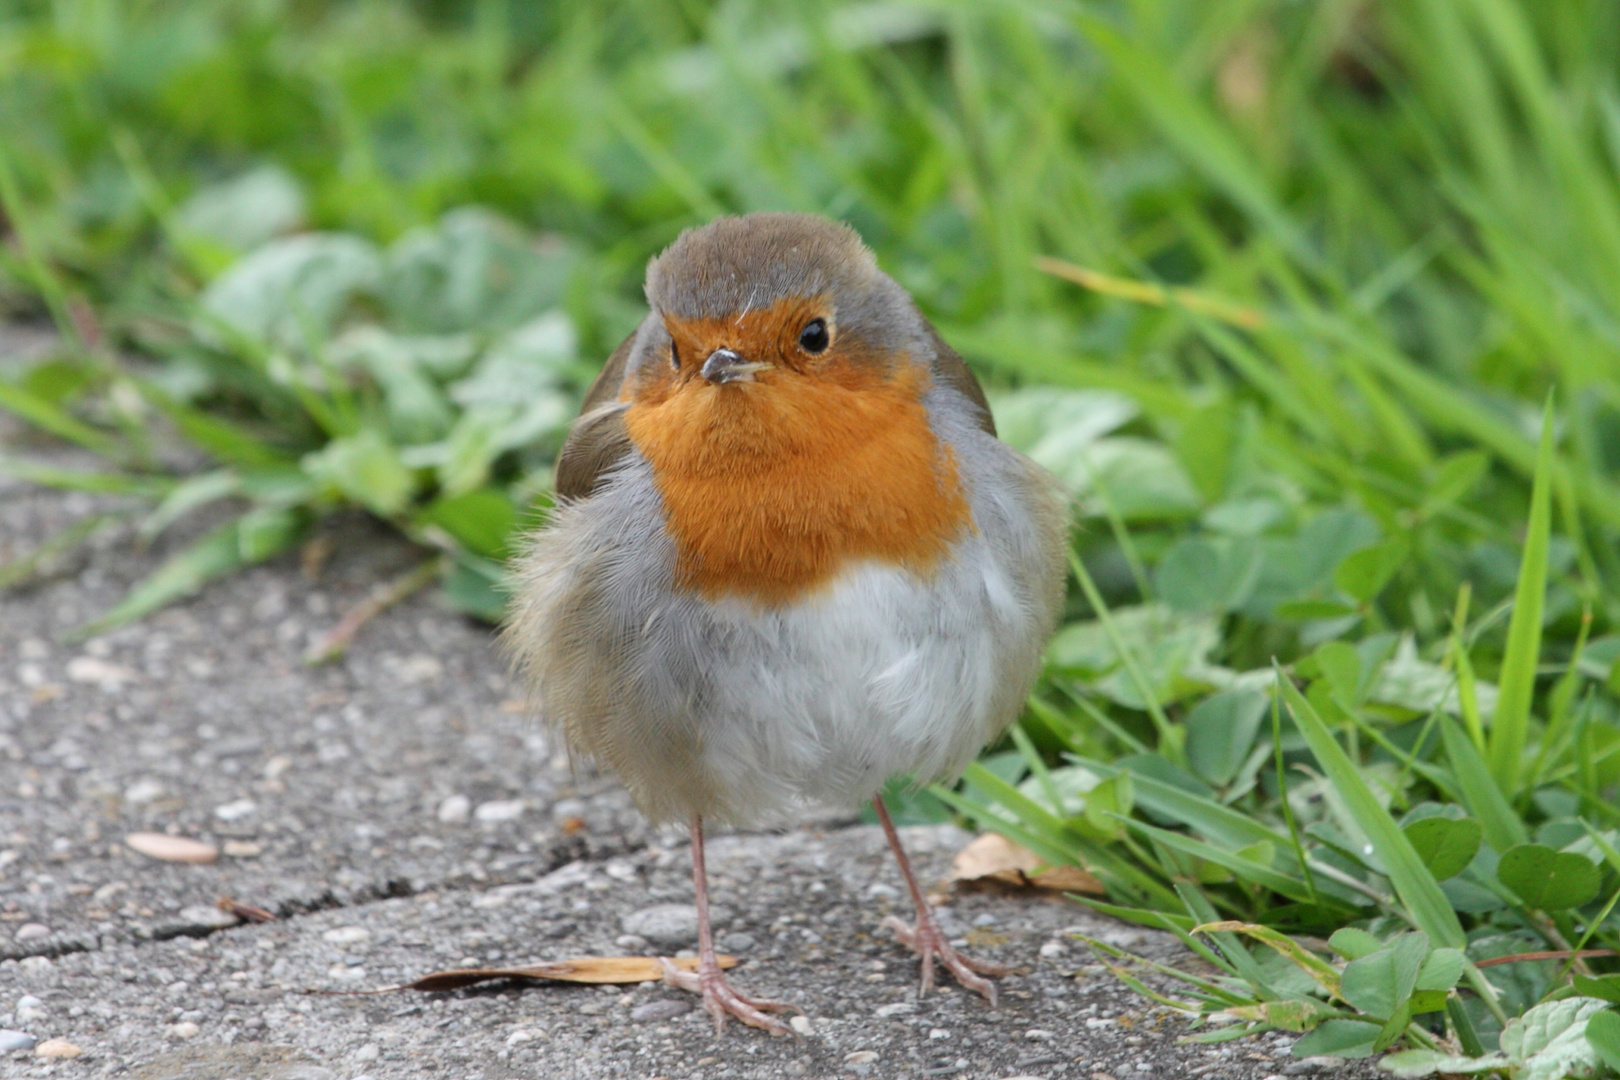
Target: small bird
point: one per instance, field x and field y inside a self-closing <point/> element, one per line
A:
<point x="789" y="558"/>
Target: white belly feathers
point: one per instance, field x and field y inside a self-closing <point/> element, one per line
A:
<point x="744" y="713"/>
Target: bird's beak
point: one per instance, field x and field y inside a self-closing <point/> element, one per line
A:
<point x="725" y="366"/>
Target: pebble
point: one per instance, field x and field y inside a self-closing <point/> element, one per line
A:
<point x="303" y="1070"/>
<point x="669" y="925"/>
<point x="171" y="848"/>
<point x="662" y="1009"/>
<point x="500" y="810"/>
<point x="32" y="931"/>
<point x="346" y="935"/>
<point x="207" y="915"/>
<point x="521" y="1035"/>
<point x="899" y="1008"/>
<point x="56" y="1050"/>
<point x="185" y="1029"/>
<point x="1052" y="950"/>
<point x="801" y="1024"/>
<point x="15" y="1040"/>
<point x="455" y="809"/>
<point x="738" y="942"/>
<point x="1037" y="1034"/>
<point x="236" y="809"/>
<point x="142" y="792"/>
<point x="243" y="849"/>
<point x="861" y="1057"/>
<point x="30" y="1008"/>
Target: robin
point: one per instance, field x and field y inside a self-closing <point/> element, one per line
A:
<point x="789" y="557"/>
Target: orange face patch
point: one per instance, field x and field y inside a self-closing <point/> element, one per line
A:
<point x="771" y="487"/>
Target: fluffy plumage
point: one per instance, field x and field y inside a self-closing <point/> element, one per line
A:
<point x="741" y="699"/>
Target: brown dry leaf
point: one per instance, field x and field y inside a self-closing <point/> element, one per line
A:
<point x="996" y="858"/>
<point x="245" y="912"/>
<point x="581" y="969"/>
<point x="171" y="848"/>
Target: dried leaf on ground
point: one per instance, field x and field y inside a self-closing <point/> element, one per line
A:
<point x="580" y="969"/>
<point x="994" y="857"/>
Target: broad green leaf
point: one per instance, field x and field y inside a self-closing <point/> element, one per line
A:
<point x="367" y="469"/>
<point x="1053" y="425"/>
<point x="1603" y="1033"/>
<point x="1339" y="1038"/>
<point x="1548" y="880"/>
<point x="1549" y="1042"/>
<point x="1379" y="983"/>
<point x="1106" y="805"/>
<point x="1510" y="727"/>
<point x="1363" y="574"/>
<point x="245" y="211"/>
<point x="1430" y="911"/>
<point x="1221" y="731"/>
<point x="1446" y="846"/>
<point x="1416" y="1063"/>
<point x="481" y="520"/>
<point x="476" y="587"/>
<point x="1167" y="646"/>
<point x="290" y="287"/>
<point x="1353" y="943"/>
<point x="1606" y="987"/>
<point x="1207" y="576"/>
<point x="1441" y="970"/>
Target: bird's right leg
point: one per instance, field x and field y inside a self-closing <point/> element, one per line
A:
<point x="719" y="997"/>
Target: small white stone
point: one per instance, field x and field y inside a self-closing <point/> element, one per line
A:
<point x="801" y="1024"/>
<point x="879" y="890"/>
<point x="346" y="935"/>
<point x="185" y="1029"/>
<point x="32" y="931"/>
<point x="1098" y="1022"/>
<point x="345" y="973"/>
<point x="243" y="849"/>
<point x="938" y="1033"/>
<point x="1037" y="1035"/>
<point x="521" y="1035"/>
<point x="861" y="1057"/>
<point x="455" y="809"/>
<point x="500" y="810"/>
<point x="368" y="1052"/>
<point x="899" y="1008"/>
<point x="236" y="810"/>
<point x="1052" y="950"/>
<point x="142" y="792"/>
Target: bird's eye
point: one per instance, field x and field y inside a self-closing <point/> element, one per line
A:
<point x="813" y="338"/>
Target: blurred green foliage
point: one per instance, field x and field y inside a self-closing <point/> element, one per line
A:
<point x="1314" y="307"/>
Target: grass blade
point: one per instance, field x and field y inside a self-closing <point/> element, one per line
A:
<point x="1510" y="727"/>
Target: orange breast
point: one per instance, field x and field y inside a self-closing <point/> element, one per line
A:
<point x="771" y="488"/>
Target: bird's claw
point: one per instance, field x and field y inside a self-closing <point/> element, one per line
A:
<point x="928" y="941"/>
<point x="721" y="999"/>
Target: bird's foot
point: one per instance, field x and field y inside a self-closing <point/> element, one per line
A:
<point x="721" y="999"/>
<point x="928" y="941"/>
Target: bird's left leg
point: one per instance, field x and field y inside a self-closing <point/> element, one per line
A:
<point x="720" y="998"/>
<point x="926" y="938"/>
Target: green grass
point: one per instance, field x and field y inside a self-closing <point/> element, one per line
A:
<point x="1315" y="308"/>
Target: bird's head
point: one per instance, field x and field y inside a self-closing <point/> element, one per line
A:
<point x="774" y="300"/>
